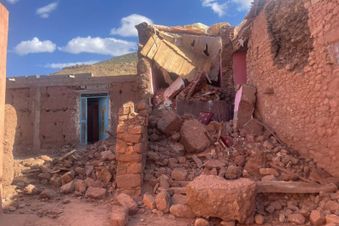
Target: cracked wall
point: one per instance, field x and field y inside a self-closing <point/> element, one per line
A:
<point x="303" y="105"/>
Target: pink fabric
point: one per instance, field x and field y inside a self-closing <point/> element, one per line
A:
<point x="237" y="100"/>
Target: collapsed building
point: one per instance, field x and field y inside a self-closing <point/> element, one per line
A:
<point x="215" y="113"/>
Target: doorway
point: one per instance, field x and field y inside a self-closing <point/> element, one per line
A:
<point x="94" y="111"/>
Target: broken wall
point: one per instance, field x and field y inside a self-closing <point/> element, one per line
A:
<point x="3" y="56"/>
<point x="293" y="51"/>
<point x="48" y="108"/>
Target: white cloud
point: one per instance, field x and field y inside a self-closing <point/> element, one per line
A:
<point x="46" y="10"/>
<point x="217" y="8"/>
<point x="127" y="27"/>
<point x="220" y="7"/>
<point x="69" y="64"/>
<point x="35" y="46"/>
<point x="12" y="1"/>
<point x="97" y="45"/>
<point x="243" y="5"/>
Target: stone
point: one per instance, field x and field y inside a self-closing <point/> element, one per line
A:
<point x="119" y="216"/>
<point x="67" y="177"/>
<point x="179" y="174"/>
<point x="163" y="201"/>
<point x="104" y="175"/>
<point x="193" y="136"/>
<point x="259" y="219"/>
<point x="181" y="211"/>
<point x="163" y="181"/>
<point x="233" y="172"/>
<point x="331" y="206"/>
<point x="67" y="188"/>
<point x="177" y="148"/>
<point x="47" y="194"/>
<point x="80" y="186"/>
<point x="93" y="183"/>
<point x="268" y="171"/>
<point x="107" y="155"/>
<point x="179" y="199"/>
<point x="317" y="218"/>
<point x="230" y="200"/>
<point x="296" y="218"/>
<point x="201" y="222"/>
<point x="128" y="202"/>
<point x="214" y="163"/>
<point x="227" y="223"/>
<point x="332" y="219"/>
<point x="55" y="181"/>
<point x="95" y="193"/>
<point x="31" y="189"/>
<point x="169" y="122"/>
<point x="149" y="201"/>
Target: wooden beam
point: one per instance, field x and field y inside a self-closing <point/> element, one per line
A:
<point x="294" y="187"/>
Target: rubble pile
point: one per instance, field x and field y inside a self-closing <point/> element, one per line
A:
<point x="183" y="149"/>
<point x="88" y="172"/>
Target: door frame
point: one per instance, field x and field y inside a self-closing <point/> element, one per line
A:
<point x="83" y="122"/>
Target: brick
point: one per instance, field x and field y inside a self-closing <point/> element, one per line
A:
<point x="128" y="181"/>
<point x="134" y="168"/>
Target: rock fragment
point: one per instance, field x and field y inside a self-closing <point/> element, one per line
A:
<point x="212" y="196"/>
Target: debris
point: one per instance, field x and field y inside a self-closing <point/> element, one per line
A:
<point x="259" y="219"/>
<point x="179" y="174"/>
<point x="67" y="188"/>
<point x="128" y="202"/>
<point x="332" y="219"/>
<point x="317" y="218"/>
<point x="193" y="136"/>
<point x="149" y="201"/>
<point x="296" y="218"/>
<point x="31" y="189"/>
<point x="212" y="196"/>
<point x="163" y="202"/>
<point x="47" y="194"/>
<point x="95" y="193"/>
<point x="181" y="211"/>
<point x="119" y="216"/>
<point x="169" y="122"/>
<point x="201" y="222"/>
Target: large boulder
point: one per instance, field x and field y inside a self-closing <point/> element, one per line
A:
<point x="169" y="122"/>
<point x="213" y="196"/>
<point x="193" y="136"/>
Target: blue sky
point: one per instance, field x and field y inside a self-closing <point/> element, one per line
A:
<point x="45" y="35"/>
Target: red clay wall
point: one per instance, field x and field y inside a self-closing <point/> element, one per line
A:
<point x="3" y="56"/>
<point x="54" y="111"/>
<point x="303" y="71"/>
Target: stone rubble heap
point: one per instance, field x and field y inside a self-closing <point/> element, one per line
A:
<point x="89" y="173"/>
<point x="227" y="176"/>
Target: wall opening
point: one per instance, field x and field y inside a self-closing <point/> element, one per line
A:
<point x="94" y="111"/>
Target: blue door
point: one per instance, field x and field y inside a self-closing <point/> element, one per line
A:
<point x="103" y="117"/>
<point x="102" y="120"/>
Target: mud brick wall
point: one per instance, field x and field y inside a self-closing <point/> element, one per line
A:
<point x="48" y="108"/>
<point x="3" y="56"/>
<point x="131" y="147"/>
<point x="294" y="52"/>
